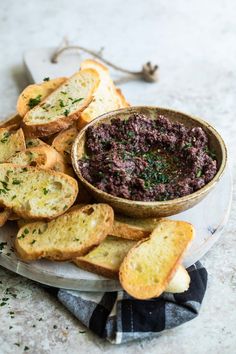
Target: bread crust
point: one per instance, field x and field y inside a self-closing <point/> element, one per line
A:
<point x="12" y="123"/>
<point x="62" y="122"/>
<point x="4" y="215"/>
<point x="90" y="267"/>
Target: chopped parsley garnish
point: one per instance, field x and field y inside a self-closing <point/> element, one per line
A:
<point x="66" y="112"/>
<point x="21" y="237"/>
<point x="5" y="137"/>
<point x="188" y="145"/>
<point x="46" y="79"/>
<point x="199" y="173"/>
<point x="16" y="181"/>
<point x="34" y="101"/>
<point x="3" y="191"/>
<point x="65" y="207"/>
<point x="55" y="326"/>
<point x="61" y="103"/>
<point x="26" y="231"/>
<point x="63" y="92"/>
<point x="77" y="100"/>
<point x="45" y="191"/>
<point x="32" y="242"/>
<point x="26" y="348"/>
<point x="130" y="134"/>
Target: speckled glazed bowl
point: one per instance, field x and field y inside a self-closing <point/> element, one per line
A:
<point x="150" y="209"/>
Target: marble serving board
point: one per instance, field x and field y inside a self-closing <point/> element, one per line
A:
<point x="208" y="217"/>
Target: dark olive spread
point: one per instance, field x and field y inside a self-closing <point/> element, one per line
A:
<point x="147" y="160"/>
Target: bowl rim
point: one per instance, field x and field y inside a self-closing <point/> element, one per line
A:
<point x="132" y="109"/>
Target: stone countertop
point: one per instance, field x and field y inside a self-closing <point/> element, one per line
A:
<point x="194" y="44"/>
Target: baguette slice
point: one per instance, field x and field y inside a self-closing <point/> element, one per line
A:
<point x="41" y="156"/>
<point x="106" y="97"/>
<point x="70" y="235"/>
<point x="152" y="262"/>
<point x="106" y="258"/>
<point x="4" y="215"/>
<point x="133" y="229"/>
<point x="63" y="106"/>
<point x="12" y="123"/>
<point x="33" y="192"/>
<point x="36" y="93"/>
<point x="63" y="142"/>
<point x="10" y="143"/>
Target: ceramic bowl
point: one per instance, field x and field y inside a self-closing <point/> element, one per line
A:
<point x="152" y="209"/>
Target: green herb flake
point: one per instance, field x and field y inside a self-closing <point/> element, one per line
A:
<point x="199" y="173"/>
<point x="77" y="100"/>
<point x="130" y="134"/>
<point x="46" y="79"/>
<point x="26" y="231"/>
<point x="10" y="327"/>
<point x="61" y="103"/>
<point x="17" y="344"/>
<point x="16" y="181"/>
<point x="21" y="237"/>
<point x="3" y="303"/>
<point x="4" y="184"/>
<point x="5" y="137"/>
<point x="55" y="326"/>
<point x="26" y="348"/>
<point x="45" y="191"/>
<point x="34" y="101"/>
<point x="65" y="207"/>
<point x="66" y="112"/>
<point x="13" y="197"/>
<point x="32" y="242"/>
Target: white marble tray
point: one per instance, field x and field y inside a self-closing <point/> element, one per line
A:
<point x="208" y="217"/>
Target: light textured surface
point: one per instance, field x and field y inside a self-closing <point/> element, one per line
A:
<point x="195" y="45"/>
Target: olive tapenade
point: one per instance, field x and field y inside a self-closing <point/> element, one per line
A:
<point x="147" y="160"/>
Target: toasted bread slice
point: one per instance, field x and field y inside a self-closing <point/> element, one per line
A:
<point x="63" y="142"/>
<point x="33" y="192"/>
<point x="39" y="156"/>
<point x="12" y="123"/>
<point x="36" y="93"/>
<point x="106" y="97"/>
<point x="152" y="262"/>
<point x="106" y="258"/>
<point x="70" y="235"/>
<point x="133" y="229"/>
<point x="63" y="106"/>
<point x="10" y="143"/>
<point x="4" y="215"/>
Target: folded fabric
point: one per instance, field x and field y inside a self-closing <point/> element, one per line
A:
<point x="120" y="318"/>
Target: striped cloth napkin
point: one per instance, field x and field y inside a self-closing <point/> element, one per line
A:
<point x="119" y="318"/>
